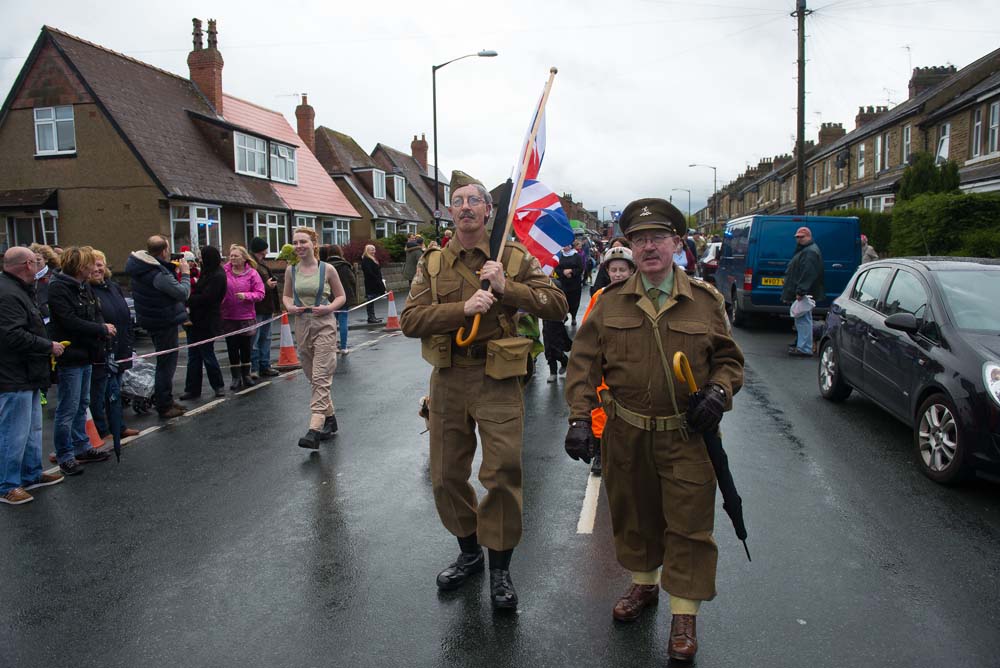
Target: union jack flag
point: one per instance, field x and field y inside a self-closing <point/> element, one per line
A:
<point x="539" y="220"/>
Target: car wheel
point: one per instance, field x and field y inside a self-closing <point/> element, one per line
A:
<point x="831" y="382"/>
<point x="740" y="317"/>
<point x="939" y="440"/>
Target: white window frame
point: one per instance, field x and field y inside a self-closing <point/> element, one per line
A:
<point x="254" y="152"/>
<point x="977" y="132"/>
<point x="258" y="223"/>
<point x="49" y="230"/>
<point x="378" y="184"/>
<point x="385" y="228"/>
<point x="447" y="196"/>
<point x="878" y="153"/>
<point x="305" y="220"/>
<point x="827" y="173"/>
<point x="336" y="231"/>
<point x="907" y="130"/>
<point x="51" y="125"/>
<point x="411" y="228"/>
<point x="283" y="165"/>
<point x="944" y="143"/>
<point x="399" y="188"/>
<point x="201" y="222"/>
<point x="861" y="160"/>
<point x="885" y="151"/>
<point x="880" y="203"/>
<point x="994" y="129"/>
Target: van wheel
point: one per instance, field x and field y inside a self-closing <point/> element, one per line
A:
<point x="940" y="443"/>
<point x="740" y="317"/>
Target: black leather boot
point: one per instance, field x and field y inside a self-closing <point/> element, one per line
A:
<point x="247" y="380"/>
<point x="469" y="562"/>
<point x="502" y="591"/>
<point x="310" y="440"/>
<point x="237" y="383"/>
<point x="329" y="427"/>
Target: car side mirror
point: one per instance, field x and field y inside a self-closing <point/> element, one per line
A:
<point x="904" y="322"/>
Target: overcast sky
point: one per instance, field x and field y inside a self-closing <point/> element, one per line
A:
<point x="645" y="87"/>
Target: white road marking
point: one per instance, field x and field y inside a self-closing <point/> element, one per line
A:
<point x="205" y="407"/>
<point x="366" y="344"/>
<point x="254" y="388"/>
<point x="588" y="514"/>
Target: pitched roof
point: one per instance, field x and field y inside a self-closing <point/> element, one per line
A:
<point x="152" y="109"/>
<point x="316" y="192"/>
<point x="988" y="85"/>
<point x="342" y="155"/>
<point x="414" y="175"/>
<point x="28" y="198"/>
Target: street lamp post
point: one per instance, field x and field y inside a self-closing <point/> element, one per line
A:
<point x="715" y="194"/>
<point x="485" y="53"/>
<point x="604" y="216"/>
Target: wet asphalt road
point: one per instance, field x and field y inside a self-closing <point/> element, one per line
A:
<point x="218" y="542"/>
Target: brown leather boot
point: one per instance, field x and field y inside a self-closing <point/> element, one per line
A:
<point x="683" y="638"/>
<point x="636" y="599"/>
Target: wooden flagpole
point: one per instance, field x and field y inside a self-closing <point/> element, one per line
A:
<point x="460" y="339"/>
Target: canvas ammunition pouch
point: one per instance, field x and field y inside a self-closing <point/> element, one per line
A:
<point x="508" y="357"/>
<point x="638" y="420"/>
<point x="436" y="350"/>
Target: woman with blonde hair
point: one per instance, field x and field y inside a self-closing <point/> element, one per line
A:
<point x="46" y="266"/>
<point x="244" y="288"/>
<point x="77" y="318"/>
<point x="374" y="284"/>
<point x="313" y="293"/>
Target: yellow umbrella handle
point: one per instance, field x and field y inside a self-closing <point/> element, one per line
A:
<point x="64" y="343"/>
<point x="460" y="339"/>
<point x="682" y="370"/>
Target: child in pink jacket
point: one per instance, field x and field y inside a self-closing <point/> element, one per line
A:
<point x="243" y="289"/>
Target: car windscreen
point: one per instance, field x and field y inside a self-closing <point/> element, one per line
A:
<point x="972" y="298"/>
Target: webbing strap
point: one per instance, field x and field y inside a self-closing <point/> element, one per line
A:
<point x="669" y="376"/>
<point x="638" y="420"/>
<point x="320" y="301"/>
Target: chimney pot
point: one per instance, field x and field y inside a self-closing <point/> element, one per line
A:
<point x="418" y="149"/>
<point x="213" y="38"/>
<point x="198" y="44"/>
<point x="205" y="66"/>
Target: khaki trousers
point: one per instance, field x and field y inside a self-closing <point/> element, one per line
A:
<point x="661" y="491"/>
<point x="316" y="344"/>
<point x="463" y="398"/>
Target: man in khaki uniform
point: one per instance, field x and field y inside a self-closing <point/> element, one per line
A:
<point x="446" y="295"/>
<point x="660" y="481"/>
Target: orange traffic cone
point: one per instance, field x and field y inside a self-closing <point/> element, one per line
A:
<point x="95" y="438"/>
<point x="392" y="321"/>
<point x="287" y="359"/>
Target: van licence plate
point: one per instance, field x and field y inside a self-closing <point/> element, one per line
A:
<point x="767" y="280"/>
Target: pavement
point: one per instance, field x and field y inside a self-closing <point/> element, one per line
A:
<point x="217" y="542"/>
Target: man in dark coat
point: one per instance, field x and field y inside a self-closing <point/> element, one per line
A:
<point x="569" y="276"/>
<point x="25" y="350"/>
<point x="159" y="307"/>
<point x="260" y="352"/>
<point x="804" y="278"/>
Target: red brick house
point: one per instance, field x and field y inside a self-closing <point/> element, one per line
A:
<point x="414" y="168"/>
<point x="103" y="149"/>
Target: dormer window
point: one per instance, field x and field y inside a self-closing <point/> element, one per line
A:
<point x="399" y="189"/>
<point x="283" y="163"/>
<point x="55" y="133"/>
<point x="251" y="155"/>
<point x="378" y="184"/>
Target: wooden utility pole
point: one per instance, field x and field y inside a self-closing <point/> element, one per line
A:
<point x="800" y="13"/>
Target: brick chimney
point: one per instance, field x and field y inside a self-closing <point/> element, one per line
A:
<point x="926" y="77"/>
<point x="868" y="114"/>
<point x="418" y="149"/>
<point x="830" y="132"/>
<point x="205" y="65"/>
<point x="305" y="118"/>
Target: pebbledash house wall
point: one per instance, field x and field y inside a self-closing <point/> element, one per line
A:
<point x="106" y="199"/>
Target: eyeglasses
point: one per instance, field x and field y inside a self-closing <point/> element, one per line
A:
<point x="654" y="239"/>
<point x="473" y="200"/>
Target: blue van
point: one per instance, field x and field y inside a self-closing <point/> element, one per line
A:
<point x="756" y="251"/>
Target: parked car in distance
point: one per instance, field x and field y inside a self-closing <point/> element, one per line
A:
<point x="756" y="251"/>
<point x="709" y="261"/>
<point x="921" y="338"/>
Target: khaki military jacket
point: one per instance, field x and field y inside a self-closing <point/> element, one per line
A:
<point x="530" y="290"/>
<point x="616" y="342"/>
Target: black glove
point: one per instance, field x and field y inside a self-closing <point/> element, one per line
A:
<point x="705" y="408"/>
<point x="578" y="440"/>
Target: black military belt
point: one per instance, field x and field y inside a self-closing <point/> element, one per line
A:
<point x="475" y="351"/>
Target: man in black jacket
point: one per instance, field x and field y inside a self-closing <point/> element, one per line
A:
<point x="159" y="308"/>
<point x="804" y="278"/>
<point x="25" y="351"/>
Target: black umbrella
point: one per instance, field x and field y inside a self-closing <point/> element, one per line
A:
<point x="731" y="501"/>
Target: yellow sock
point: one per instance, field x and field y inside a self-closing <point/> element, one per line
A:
<point x="683" y="606"/>
<point x="646" y="577"/>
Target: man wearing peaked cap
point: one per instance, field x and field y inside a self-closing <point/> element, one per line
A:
<point x="477" y="387"/>
<point x="658" y="475"/>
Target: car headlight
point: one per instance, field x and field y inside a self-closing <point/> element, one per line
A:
<point x="991" y="379"/>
